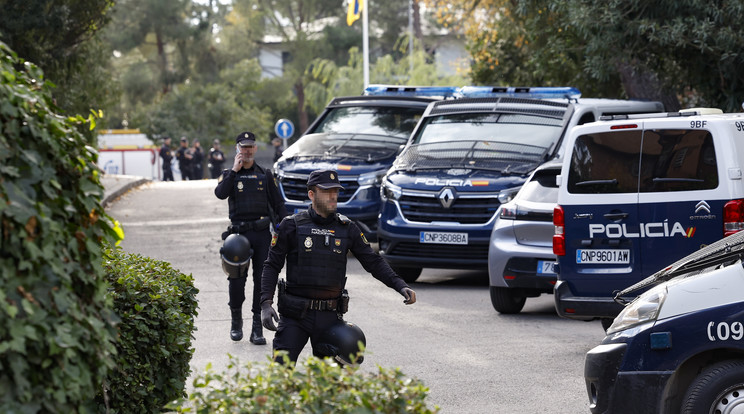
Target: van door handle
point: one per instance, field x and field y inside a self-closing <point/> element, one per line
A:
<point x="616" y="216"/>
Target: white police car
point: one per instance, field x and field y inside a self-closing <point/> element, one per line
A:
<point x="638" y="193"/>
<point x="679" y="346"/>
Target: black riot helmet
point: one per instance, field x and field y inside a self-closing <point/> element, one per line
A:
<point x="236" y="253"/>
<point x="342" y="343"/>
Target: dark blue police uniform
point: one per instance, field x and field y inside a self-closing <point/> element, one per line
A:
<point x="315" y="249"/>
<point x="253" y="199"/>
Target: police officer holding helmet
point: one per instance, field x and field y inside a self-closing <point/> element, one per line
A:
<point x="254" y="203"/>
<point x="315" y="243"/>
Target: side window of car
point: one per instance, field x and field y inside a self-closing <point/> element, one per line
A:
<point x="605" y="162"/>
<point x="678" y="160"/>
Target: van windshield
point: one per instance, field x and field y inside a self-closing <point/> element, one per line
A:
<point x="373" y="120"/>
<point x="510" y="143"/>
<point x="362" y="146"/>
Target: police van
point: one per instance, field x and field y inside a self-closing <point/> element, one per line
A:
<point x="679" y="346"/>
<point x="637" y="193"/>
<point x="466" y="157"/>
<point x="359" y="136"/>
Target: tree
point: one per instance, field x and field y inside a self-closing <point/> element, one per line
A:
<point x="659" y="50"/>
<point x="60" y="36"/>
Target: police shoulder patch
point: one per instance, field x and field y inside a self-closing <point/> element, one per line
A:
<point x="274" y="238"/>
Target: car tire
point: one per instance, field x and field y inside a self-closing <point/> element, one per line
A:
<point x="717" y="387"/>
<point x="409" y="274"/>
<point x="506" y="300"/>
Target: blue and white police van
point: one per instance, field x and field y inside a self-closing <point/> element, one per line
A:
<point x="359" y="136"/>
<point x="679" y="346"/>
<point x="637" y="193"/>
<point x="466" y="157"/>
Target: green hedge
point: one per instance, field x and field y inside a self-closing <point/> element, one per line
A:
<point x="157" y="306"/>
<point x="320" y="386"/>
<point x="56" y="338"/>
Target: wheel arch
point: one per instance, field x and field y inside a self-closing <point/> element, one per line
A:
<point x="688" y="370"/>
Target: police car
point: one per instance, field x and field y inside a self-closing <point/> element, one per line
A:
<point x="358" y="136"/>
<point x="679" y="346"/>
<point x="639" y="192"/>
<point x="467" y="156"/>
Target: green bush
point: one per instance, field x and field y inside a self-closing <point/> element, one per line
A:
<point x="322" y="387"/>
<point x="56" y="337"/>
<point x="157" y="305"/>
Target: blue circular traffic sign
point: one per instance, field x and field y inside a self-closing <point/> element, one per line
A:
<point x="284" y="128"/>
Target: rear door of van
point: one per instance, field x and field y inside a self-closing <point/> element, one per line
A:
<point x="681" y="193"/>
<point x="600" y="205"/>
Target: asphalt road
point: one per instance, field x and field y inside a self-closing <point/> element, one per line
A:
<point x="473" y="359"/>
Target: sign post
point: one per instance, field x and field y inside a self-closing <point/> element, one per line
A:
<point x="284" y="129"/>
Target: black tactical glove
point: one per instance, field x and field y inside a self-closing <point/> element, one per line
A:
<point x="268" y="316"/>
<point x="409" y="294"/>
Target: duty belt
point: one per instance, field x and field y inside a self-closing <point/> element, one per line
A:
<point x="323" y="304"/>
<point x="243" y="226"/>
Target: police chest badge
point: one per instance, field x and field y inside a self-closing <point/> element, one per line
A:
<point x="240" y="186"/>
<point x="308" y="242"/>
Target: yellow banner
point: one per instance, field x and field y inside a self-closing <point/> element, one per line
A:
<point x="355" y="10"/>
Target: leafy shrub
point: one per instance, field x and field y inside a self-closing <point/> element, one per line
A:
<point x="323" y="387"/>
<point x="157" y="305"/>
<point x="56" y="337"/>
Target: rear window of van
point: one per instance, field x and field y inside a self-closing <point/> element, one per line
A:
<point x="643" y="161"/>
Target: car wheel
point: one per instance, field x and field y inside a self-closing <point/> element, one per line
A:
<point x="718" y="389"/>
<point x="409" y="274"/>
<point x="506" y="300"/>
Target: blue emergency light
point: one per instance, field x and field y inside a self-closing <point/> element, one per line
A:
<point x="394" y="90"/>
<point x="541" y="92"/>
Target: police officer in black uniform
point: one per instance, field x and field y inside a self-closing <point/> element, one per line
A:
<point x="166" y="153"/>
<point x="315" y="243"/>
<point x="254" y="202"/>
<point x="216" y="159"/>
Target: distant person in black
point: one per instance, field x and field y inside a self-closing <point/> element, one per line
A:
<point x="183" y="155"/>
<point x="253" y="203"/>
<point x="277" y="143"/>
<point x="167" y="155"/>
<point x="196" y="161"/>
<point x="315" y="244"/>
<point x="216" y="159"/>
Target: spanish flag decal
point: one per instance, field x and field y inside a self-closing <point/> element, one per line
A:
<point x="479" y="183"/>
<point x="343" y="167"/>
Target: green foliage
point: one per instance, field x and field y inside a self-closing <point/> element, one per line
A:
<point x="56" y="338"/>
<point x="157" y="306"/>
<point x="60" y="37"/>
<point x="322" y="387"/>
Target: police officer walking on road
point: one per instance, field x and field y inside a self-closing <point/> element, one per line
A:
<point x="315" y="243"/>
<point x="254" y="203"/>
<point x="216" y="159"/>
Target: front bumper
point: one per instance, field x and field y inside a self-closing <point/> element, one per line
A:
<point x="613" y="391"/>
<point x="578" y="307"/>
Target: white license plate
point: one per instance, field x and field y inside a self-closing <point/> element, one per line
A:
<point x="603" y="256"/>
<point x="443" y="238"/>
<point x="545" y="267"/>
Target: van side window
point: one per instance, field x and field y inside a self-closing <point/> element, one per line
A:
<point x="605" y="162"/>
<point x="678" y="160"/>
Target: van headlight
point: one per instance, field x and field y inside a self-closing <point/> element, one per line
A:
<point x="371" y="178"/>
<point x="390" y="192"/>
<point x="644" y="308"/>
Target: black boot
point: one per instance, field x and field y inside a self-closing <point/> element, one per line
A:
<point x="257" y="337"/>
<point x="236" y="329"/>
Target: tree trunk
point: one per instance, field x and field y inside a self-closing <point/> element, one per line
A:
<point x="162" y="61"/>
<point x="641" y="83"/>
<point x="301" y="112"/>
<point x="418" y="33"/>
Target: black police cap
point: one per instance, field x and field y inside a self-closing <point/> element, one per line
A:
<point x="245" y="139"/>
<point x="324" y="179"/>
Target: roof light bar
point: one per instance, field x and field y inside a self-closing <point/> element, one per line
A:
<point x="543" y="92"/>
<point x="395" y="90"/>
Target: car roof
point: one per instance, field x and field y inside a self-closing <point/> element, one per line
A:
<point x="362" y="100"/>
